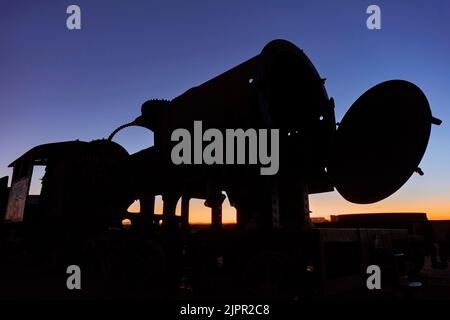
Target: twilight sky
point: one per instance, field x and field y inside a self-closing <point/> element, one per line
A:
<point x="57" y="84"/>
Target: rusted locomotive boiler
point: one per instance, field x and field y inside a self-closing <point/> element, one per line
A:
<point x="377" y="146"/>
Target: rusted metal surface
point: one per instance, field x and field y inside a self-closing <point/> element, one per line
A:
<point x="17" y="200"/>
<point x="4" y="195"/>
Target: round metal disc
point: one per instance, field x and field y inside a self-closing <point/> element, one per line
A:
<point x="380" y="142"/>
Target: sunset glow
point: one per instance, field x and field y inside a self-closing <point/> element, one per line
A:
<point x="321" y="205"/>
<point x="198" y="213"/>
<point x="60" y="85"/>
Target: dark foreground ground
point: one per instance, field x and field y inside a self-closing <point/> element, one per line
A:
<point x="28" y="282"/>
<point x="38" y="286"/>
<point x="436" y="284"/>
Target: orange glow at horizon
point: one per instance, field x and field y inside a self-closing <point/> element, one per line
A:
<point x="323" y="205"/>
<point x="198" y="212"/>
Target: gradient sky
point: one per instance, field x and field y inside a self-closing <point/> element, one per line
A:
<point x="58" y="85"/>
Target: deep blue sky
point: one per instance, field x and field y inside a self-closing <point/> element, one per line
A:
<point x="57" y="84"/>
